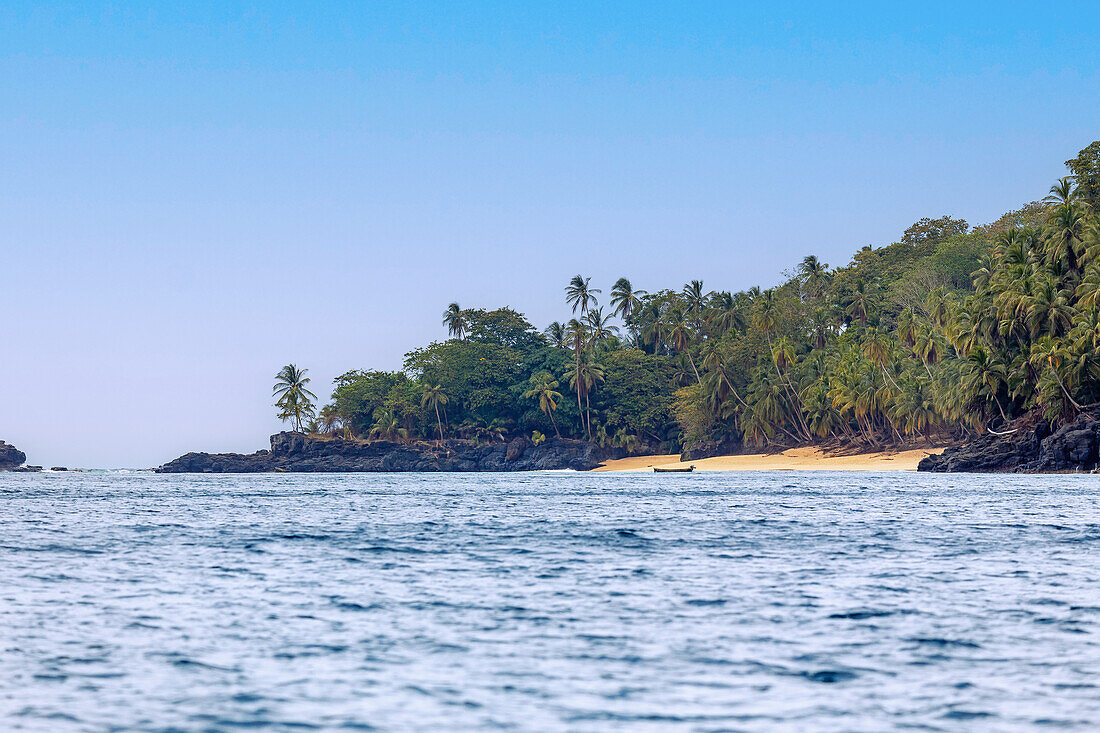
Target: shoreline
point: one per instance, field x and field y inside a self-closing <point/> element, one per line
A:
<point x="792" y="459"/>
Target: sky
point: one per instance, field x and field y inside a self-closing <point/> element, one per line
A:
<point x="195" y="194"/>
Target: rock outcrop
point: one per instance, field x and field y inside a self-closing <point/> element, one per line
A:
<point x="1033" y="447"/>
<point x="299" y="453"/>
<point x="710" y="448"/>
<point x="11" y="458"/>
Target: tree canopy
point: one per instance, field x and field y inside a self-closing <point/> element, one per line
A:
<point x="948" y="331"/>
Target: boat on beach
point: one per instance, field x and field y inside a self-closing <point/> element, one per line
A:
<point x="673" y="469"/>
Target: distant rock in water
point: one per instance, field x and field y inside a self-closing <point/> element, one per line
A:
<point x="299" y="453"/>
<point x="1032" y="448"/>
<point x="11" y="457"/>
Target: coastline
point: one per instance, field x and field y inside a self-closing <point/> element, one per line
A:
<point x="793" y="459"/>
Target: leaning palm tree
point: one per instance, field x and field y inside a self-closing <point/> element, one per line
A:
<point x="543" y="386"/>
<point x="580" y="294"/>
<point x="295" y="401"/>
<point x="435" y="396"/>
<point x="454" y="318"/>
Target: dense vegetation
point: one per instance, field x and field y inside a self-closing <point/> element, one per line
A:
<point x="949" y="331"/>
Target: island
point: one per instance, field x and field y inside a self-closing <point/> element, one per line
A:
<point x="978" y="345"/>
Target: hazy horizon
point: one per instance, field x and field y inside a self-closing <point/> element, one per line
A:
<point x="196" y="196"/>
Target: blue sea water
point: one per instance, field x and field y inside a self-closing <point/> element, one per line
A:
<point x="579" y="602"/>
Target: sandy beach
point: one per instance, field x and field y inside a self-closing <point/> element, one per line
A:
<point x="795" y="459"/>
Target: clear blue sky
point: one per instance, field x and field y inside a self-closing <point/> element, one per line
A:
<point x="194" y="194"/>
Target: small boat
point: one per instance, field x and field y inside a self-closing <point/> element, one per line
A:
<point x="673" y="469"/>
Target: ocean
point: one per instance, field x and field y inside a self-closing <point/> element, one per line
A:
<point x="549" y="602"/>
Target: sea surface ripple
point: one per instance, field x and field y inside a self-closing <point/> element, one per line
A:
<point x="579" y="602"/>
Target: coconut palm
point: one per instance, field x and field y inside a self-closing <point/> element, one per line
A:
<point x="626" y="302"/>
<point x="814" y="272"/>
<point x="681" y="335"/>
<point x="543" y="388"/>
<point x="294" y="399"/>
<point x="434" y="397"/>
<point x="599" y="326"/>
<point x="387" y="425"/>
<point x="727" y="312"/>
<point x="580" y="294"/>
<point x="858" y="302"/>
<point x="454" y="318"/>
<point x="557" y="334"/>
<point x="328" y="420"/>
<point x="695" y="300"/>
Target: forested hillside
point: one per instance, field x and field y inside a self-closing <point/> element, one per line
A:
<point x="949" y="331"/>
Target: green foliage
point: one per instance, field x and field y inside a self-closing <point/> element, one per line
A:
<point x="477" y="376"/>
<point x="358" y="393"/>
<point x="502" y="327"/>
<point x="637" y="393"/>
<point x="1086" y="172"/>
<point x="947" y="331"/>
<point x="294" y="400"/>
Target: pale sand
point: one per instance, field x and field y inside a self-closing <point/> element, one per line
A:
<point x="795" y="459"/>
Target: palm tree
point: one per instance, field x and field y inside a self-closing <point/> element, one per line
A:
<point x="985" y="374"/>
<point x="599" y="326"/>
<point x="583" y="377"/>
<point x="625" y="300"/>
<point x="859" y="303"/>
<point x="387" y="425"/>
<point x="580" y="294"/>
<point x="295" y="401"/>
<point x="576" y="336"/>
<point x="557" y="335"/>
<point x="680" y="334"/>
<point x="454" y="318"/>
<point x="435" y="396"/>
<point x="593" y="375"/>
<point x="543" y="386"/>
<point x="328" y="420"/>
<point x="726" y="312"/>
<point x="695" y="299"/>
<point x="877" y="347"/>
<point x="1048" y="310"/>
<point x="815" y="273"/>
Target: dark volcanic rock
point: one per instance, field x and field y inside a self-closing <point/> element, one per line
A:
<point x="295" y="452"/>
<point x="1032" y="448"/>
<point x="11" y="457"/>
<point x="710" y="448"/>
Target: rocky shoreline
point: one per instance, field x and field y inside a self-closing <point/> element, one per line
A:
<point x="298" y="453"/>
<point x="1029" y="445"/>
<point x="12" y="459"/>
